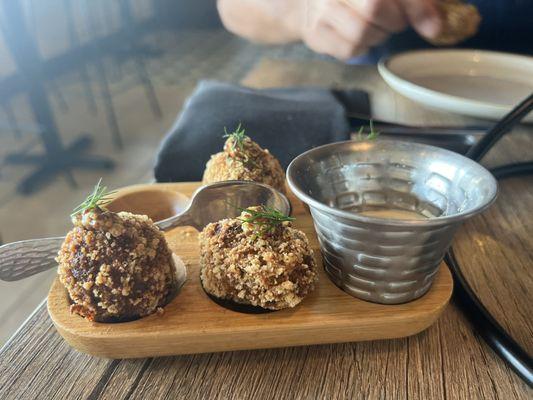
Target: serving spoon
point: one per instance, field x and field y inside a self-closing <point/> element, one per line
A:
<point x="209" y="203"/>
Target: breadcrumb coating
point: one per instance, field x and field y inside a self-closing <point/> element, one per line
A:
<point x="249" y="163"/>
<point x="460" y="21"/>
<point x="115" y="266"/>
<point x="274" y="270"/>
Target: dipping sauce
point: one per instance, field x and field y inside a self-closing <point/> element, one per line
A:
<point x="392" y="213"/>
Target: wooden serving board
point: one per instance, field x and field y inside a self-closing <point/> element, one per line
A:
<point x="193" y="323"/>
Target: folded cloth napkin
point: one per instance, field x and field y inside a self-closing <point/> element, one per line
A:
<point x="286" y="121"/>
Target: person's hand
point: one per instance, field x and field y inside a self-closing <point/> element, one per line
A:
<point x="346" y="28"/>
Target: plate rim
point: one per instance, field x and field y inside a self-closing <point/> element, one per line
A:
<point x="399" y="84"/>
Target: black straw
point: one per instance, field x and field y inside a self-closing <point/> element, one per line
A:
<point x="493" y="333"/>
<point x="481" y="148"/>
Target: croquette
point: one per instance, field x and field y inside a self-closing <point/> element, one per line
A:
<point x="115" y="266"/>
<point x="459" y="22"/>
<point x="243" y="159"/>
<point x="256" y="262"/>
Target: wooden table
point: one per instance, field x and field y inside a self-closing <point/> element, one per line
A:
<point x="448" y="360"/>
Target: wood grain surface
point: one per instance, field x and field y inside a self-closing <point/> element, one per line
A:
<point x="495" y="251"/>
<point x="193" y="323"/>
<point x="447" y="361"/>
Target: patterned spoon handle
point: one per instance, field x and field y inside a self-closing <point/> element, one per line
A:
<point x="22" y="259"/>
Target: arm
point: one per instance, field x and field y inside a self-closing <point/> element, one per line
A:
<point x="264" y="21"/>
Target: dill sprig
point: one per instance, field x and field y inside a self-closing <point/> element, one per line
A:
<point x="99" y="197"/>
<point x="372" y="135"/>
<point x="265" y="219"/>
<point x="238" y="137"/>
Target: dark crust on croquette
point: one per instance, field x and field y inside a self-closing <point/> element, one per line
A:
<point x="273" y="271"/>
<point x="252" y="163"/>
<point x="115" y="266"/>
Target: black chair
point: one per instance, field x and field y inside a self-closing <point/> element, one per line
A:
<point x="83" y="72"/>
<point x="57" y="158"/>
<point x="122" y="50"/>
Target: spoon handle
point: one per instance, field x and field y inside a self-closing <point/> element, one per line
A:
<point x="182" y="219"/>
<point x="22" y="259"/>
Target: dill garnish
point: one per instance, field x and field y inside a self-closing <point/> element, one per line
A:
<point x="238" y="152"/>
<point x="238" y="137"/>
<point x="99" y="197"/>
<point x="372" y="135"/>
<point x="264" y="219"/>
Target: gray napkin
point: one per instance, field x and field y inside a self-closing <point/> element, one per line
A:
<point x="287" y="121"/>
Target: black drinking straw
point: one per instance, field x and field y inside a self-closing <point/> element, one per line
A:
<point x="491" y="331"/>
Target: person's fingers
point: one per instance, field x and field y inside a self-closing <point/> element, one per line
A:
<point x="349" y="24"/>
<point x="424" y="16"/>
<point x="384" y="14"/>
<point x="325" y="39"/>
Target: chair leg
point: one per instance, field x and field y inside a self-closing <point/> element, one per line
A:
<point x="58" y="94"/>
<point x="127" y="22"/>
<point x="83" y="72"/>
<point x="102" y="80"/>
<point x="88" y="90"/>
<point x="12" y="120"/>
<point x="148" y="87"/>
<point x="109" y="107"/>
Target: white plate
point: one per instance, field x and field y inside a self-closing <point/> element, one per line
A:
<point x="478" y="83"/>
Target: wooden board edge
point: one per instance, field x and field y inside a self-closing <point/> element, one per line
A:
<point x="192" y="343"/>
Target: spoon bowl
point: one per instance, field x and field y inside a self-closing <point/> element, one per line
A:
<point x="219" y="200"/>
<point x="156" y="203"/>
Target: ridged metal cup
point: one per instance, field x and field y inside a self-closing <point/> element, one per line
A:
<point x="387" y="261"/>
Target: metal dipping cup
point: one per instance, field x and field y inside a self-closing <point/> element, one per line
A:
<point x="384" y="260"/>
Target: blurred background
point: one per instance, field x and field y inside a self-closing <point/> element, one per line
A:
<point x="88" y="88"/>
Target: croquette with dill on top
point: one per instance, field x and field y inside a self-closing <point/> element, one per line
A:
<point x="257" y="259"/>
<point x="243" y="159"/>
<point x="115" y="266"/>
